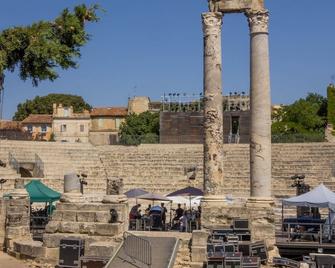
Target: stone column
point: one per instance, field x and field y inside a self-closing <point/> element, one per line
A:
<point x="213" y="110"/>
<point x="260" y="102"/>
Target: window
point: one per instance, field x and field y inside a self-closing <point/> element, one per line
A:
<point x="44" y="128"/>
<point x="63" y="128"/>
<point x="30" y="128"/>
<point x="82" y="128"/>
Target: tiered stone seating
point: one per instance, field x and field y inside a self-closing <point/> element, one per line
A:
<point x="161" y="168"/>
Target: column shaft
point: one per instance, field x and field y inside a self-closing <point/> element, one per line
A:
<point x="213" y="110"/>
<point x="260" y="104"/>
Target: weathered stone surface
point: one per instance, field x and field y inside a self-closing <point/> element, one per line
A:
<point x="199" y="254"/>
<point x="109" y="229"/>
<point x="69" y="227"/>
<point x="52" y="227"/>
<point x="85" y="216"/>
<point x="52" y="254"/>
<point x="235" y="6"/>
<point x="69" y="216"/>
<point x="87" y="228"/>
<point x="200" y="237"/>
<point x="260" y="102"/>
<point x="197" y="265"/>
<point x="57" y="215"/>
<point x="114" y="199"/>
<point x="213" y="109"/>
<point x="102" y="216"/>
<point x="30" y="248"/>
<point x="52" y="240"/>
<point x="100" y="249"/>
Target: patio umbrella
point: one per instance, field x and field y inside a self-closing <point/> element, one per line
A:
<point x="153" y="197"/>
<point x="133" y="193"/>
<point x="188" y="191"/>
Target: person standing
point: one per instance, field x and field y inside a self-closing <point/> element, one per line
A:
<point x="164" y="211"/>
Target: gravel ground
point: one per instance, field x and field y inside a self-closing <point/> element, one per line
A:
<point x="7" y="261"/>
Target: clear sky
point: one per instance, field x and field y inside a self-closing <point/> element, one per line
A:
<point x="148" y="47"/>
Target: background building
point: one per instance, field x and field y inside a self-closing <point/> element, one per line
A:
<point x="39" y="126"/>
<point x="69" y="126"/>
<point x="105" y="124"/>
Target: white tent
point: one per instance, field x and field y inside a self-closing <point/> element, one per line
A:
<point x="320" y="197"/>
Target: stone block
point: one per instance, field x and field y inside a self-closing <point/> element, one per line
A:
<point x="85" y="216"/>
<point x="108" y="229"/>
<point x="30" y="248"/>
<point x="69" y="216"/>
<point x="199" y="238"/>
<point x="198" y="254"/>
<point x="87" y="228"/>
<point x="69" y="227"/>
<point x="100" y="249"/>
<point x="52" y="227"/>
<point x="197" y="265"/>
<point x="57" y="215"/>
<point x="102" y="216"/>
<point x="52" y="254"/>
<point x="52" y="240"/>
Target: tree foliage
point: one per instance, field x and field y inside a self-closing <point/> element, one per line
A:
<point x="37" y="50"/>
<point x="331" y="104"/>
<point x="141" y="128"/>
<point x="303" y="116"/>
<point x="43" y="105"/>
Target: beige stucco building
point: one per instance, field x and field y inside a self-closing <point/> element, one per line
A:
<point x="69" y="126"/>
<point x="39" y="126"/>
<point x="105" y="124"/>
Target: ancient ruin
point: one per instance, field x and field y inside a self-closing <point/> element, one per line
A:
<point x="260" y="205"/>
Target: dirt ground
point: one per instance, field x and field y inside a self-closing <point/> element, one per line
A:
<point x="7" y="261"/>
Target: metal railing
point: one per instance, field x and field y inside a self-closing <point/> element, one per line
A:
<point x="137" y="248"/>
<point x="39" y="167"/>
<point x="314" y="232"/>
<point x="13" y="162"/>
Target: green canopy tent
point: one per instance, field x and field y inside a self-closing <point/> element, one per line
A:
<point x="40" y="193"/>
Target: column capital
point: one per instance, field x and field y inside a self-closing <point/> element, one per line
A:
<point x="258" y="20"/>
<point x="212" y="23"/>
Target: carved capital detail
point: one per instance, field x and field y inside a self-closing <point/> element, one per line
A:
<point x="212" y="23"/>
<point x="258" y="21"/>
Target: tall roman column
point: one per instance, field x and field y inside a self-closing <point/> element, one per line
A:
<point x="260" y="102"/>
<point x="213" y="110"/>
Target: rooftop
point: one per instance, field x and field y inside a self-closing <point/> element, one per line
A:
<point x="109" y="111"/>
<point x="38" y="119"/>
<point x="4" y="124"/>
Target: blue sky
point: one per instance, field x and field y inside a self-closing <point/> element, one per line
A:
<point x="148" y="47"/>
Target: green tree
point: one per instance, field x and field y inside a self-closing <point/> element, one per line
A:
<point x="37" y="50"/>
<point x="331" y="104"/>
<point x="304" y="115"/>
<point x="43" y="105"/>
<point x="141" y="128"/>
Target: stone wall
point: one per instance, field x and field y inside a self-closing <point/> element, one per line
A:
<point x="162" y="168"/>
<point x="2" y="222"/>
<point x="187" y="127"/>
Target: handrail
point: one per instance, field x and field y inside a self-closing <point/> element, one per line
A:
<point x="13" y="162"/>
<point x="115" y="253"/>
<point x="320" y="231"/>
<point x="174" y="254"/>
<point x="137" y="248"/>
